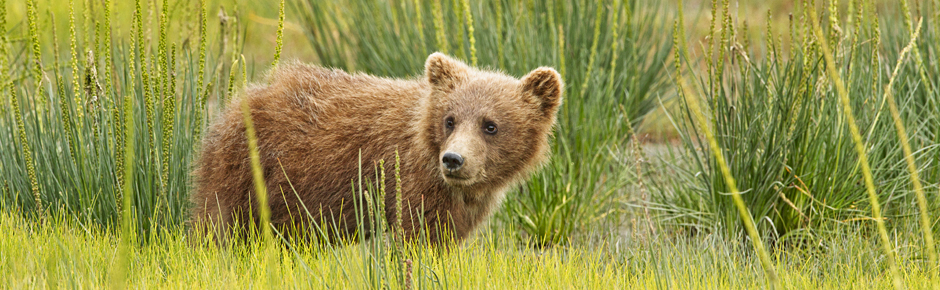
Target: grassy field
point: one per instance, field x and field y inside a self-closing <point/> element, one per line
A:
<point x="64" y="254"/>
<point x="701" y="144"/>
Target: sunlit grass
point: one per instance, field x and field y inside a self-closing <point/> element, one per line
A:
<point x="74" y="255"/>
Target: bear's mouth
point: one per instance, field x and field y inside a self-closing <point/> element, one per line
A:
<point x="458" y="180"/>
<point x="455" y="177"/>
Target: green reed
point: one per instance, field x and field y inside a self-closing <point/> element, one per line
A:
<point x="83" y="118"/>
<point x="783" y="123"/>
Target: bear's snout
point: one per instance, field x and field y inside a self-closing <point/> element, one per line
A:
<point x="463" y="156"/>
<point x="452" y="161"/>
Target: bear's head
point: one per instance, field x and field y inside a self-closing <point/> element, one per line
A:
<point x="485" y="127"/>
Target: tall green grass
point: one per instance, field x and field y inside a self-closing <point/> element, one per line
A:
<point x="778" y="118"/>
<point x="69" y="121"/>
<point x="612" y="56"/>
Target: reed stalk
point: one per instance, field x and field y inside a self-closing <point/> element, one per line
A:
<point x="280" y="36"/>
<point x="439" y="29"/>
<point x="261" y="192"/>
<point x="469" y="21"/>
<point x="128" y="234"/>
<point x="66" y="116"/>
<point x="419" y="20"/>
<point x="33" y="26"/>
<point x="76" y="76"/>
<point x="833" y="72"/>
<point x="459" y="52"/>
<point x="745" y="214"/>
<point x="161" y="67"/>
<point x="4" y="74"/>
<point x="169" y="114"/>
<point x="597" y="36"/>
<point x="921" y="70"/>
<point x="614" y="51"/>
<point x="925" y="225"/>
<point x="201" y="92"/>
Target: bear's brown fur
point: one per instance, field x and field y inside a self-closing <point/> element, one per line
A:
<point x="312" y="123"/>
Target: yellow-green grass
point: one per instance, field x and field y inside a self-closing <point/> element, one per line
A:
<point x="64" y="253"/>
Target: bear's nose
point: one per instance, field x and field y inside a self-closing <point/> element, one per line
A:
<point x="452" y="161"/>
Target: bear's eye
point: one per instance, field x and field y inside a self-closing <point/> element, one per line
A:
<point x="449" y="123"/>
<point x="489" y="128"/>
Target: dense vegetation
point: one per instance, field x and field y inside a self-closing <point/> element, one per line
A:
<point x="812" y="142"/>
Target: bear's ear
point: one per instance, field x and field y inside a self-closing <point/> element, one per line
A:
<point x="543" y="86"/>
<point x="444" y="73"/>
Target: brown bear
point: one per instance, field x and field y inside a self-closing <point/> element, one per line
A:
<point x="464" y="136"/>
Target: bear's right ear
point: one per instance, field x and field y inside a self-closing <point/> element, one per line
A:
<point x="444" y="73"/>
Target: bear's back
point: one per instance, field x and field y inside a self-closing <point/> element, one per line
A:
<point x="312" y="124"/>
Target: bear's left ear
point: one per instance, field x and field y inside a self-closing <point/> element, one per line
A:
<point x="444" y="73"/>
<point x="543" y="86"/>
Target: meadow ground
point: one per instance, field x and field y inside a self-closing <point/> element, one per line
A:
<point x="63" y="254"/>
<point x="722" y="144"/>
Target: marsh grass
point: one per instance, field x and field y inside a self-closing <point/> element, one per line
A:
<point x="807" y="135"/>
<point x="780" y="121"/>
<point x="70" y="123"/>
<point x="743" y="211"/>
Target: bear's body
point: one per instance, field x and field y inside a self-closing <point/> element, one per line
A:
<point x="312" y="123"/>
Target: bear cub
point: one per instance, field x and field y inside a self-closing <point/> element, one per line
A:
<point x="464" y="136"/>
